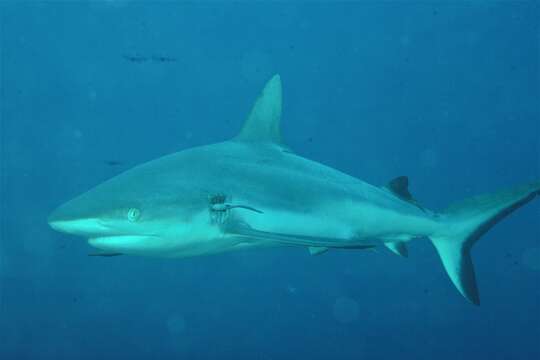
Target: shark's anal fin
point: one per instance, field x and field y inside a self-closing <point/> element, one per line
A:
<point x="400" y="187"/>
<point x="317" y="250"/>
<point x="398" y="248"/>
<point x="263" y="123"/>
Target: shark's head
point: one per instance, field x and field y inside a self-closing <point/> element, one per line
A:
<point x="168" y="207"/>
<point x="152" y="209"/>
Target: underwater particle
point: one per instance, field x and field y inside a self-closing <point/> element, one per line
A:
<point x="405" y="40"/>
<point x="255" y="65"/>
<point x="162" y="58"/>
<point x="429" y="158"/>
<point x="135" y="58"/>
<point x="77" y="134"/>
<point x="291" y="289"/>
<point x="117" y="3"/>
<point x="179" y="340"/>
<point x="531" y="258"/>
<point x="113" y="162"/>
<point x="345" y="310"/>
<point x="176" y="324"/>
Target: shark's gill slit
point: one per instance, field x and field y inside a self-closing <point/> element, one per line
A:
<point x="227" y="207"/>
<point x="245" y="207"/>
<point x="219" y="209"/>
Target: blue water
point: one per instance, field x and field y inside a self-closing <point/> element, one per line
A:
<point x="446" y="93"/>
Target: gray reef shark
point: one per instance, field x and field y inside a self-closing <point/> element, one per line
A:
<point x="253" y="191"/>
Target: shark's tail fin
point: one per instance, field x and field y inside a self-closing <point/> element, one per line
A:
<point x="465" y="222"/>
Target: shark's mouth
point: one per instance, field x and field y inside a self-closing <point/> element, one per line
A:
<point x="123" y="242"/>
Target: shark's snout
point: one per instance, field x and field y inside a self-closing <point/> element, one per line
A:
<point x="82" y="227"/>
<point x="65" y="219"/>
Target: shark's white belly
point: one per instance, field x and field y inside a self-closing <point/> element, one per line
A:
<point x="345" y="223"/>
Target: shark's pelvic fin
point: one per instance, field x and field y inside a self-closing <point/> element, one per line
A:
<point x="263" y="123"/>
<point x="465" y="222"/>
<point x="398" y="248"/>
<point x="317" y="250"/>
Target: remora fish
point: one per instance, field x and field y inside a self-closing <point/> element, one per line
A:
<point x="252" y="191"/>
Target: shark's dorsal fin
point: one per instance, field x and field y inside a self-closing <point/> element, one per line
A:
<point x="400" y="187"/>
<point x="263" y="123"/>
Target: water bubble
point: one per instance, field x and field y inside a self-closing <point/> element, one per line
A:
<point x="117" y="3"/>
<point x="291" y="289"/>
<point x="429" y="158"/>
<point x="405" y="40"/>
<point x="77" y="134"/>
<point x="345" y="310"/>
<point x="179" y="340"/>
<point x="176" y="325"/>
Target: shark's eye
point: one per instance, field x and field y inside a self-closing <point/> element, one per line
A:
<point x="133" y="214"/>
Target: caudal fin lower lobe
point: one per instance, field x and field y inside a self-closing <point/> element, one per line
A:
<point x="465" y="222"/>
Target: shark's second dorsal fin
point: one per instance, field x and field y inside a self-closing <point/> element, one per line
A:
<point x="400" y="187"/>
<point x="263" y="123"/>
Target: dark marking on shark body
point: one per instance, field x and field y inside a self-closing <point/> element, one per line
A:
<point x="136" y="58"/>
<point x="113" y="162"/>
<point x="105" y="254"/>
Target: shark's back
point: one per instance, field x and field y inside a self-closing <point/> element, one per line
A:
<point x="272" y="175"/>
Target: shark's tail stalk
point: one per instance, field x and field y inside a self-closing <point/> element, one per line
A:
<point x="465" y="222"/>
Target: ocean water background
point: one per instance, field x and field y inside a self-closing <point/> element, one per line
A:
<point x="444" y="92"/>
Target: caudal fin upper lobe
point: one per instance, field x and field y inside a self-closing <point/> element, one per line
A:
<point x="465" y="222"/>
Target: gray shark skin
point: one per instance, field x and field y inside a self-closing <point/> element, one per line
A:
<point x="252" y="191"/>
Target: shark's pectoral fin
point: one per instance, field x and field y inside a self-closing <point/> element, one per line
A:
<point x="398" y="248"/>
<point x="317" y="250"/>
<point x="227" y="207"/>
<point x="246" y="231"/>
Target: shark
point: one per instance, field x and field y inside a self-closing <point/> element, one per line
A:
<point x="253" y="191"/>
